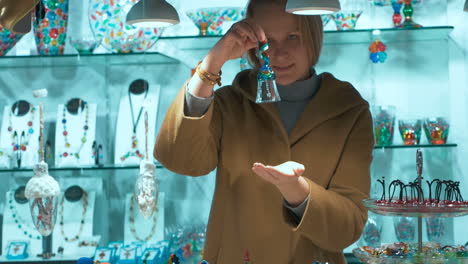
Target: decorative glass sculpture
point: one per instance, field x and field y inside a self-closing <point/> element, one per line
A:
<point x="146" y="189"/>
<point x="437" y="130"/>
<point x="397" y="18"/>
<point x="408" y="13"/>
<point x="43" y="190"/>
<point x="405" y="228"/>
<point x="346" y="20"/>
<point x="8" y="40"/>
<point x="211" y="21"/>
<point x="84" y="46"/>
<point x="50" y="19"/>
<point x="435" y="228"/>
<point x="325" y="19"/>
<point x="384" y="120"/>
<point x="267" y="92"/>
<point x="410" y="131"/>
<point x="107" y="19"/>
<point x="372" y="233"/>
<point x="79" y="30"/>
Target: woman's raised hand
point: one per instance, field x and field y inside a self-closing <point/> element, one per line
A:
<point x="243" y="36"/>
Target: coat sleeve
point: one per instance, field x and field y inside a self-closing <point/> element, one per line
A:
<point x="335" y="217"/>
<point x="189" y="145"/>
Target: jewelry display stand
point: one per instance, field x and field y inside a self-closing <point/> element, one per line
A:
<point x="141" y="226"/>
<point x="21" y="131"/>
<point x="72" y="213"/>
<point x="73" y="134"/>
<point x="18" y="225"/>
<point x="130" y="129"/>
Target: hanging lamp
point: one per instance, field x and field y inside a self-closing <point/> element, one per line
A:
<point x="312" y="7"/>
<point x="153" y="13"/>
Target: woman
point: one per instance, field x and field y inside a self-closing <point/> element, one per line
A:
<point x="308" y="208"/>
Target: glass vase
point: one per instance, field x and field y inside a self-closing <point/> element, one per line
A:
<point x="50" y="19"/>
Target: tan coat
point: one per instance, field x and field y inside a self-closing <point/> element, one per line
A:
<point x="332" y="138"/>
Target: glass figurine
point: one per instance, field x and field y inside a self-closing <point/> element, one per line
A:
<point x="267" y="92"/>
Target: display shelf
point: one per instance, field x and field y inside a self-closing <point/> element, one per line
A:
<point x="91" y="168"/>
<point x="416" y="211"/>
<point x="75" y="60"/>
<point x="206" y="42"/>
<point x="330" y="37"/>
<point x="449" y="145"/>
<point x="365" y="257"/>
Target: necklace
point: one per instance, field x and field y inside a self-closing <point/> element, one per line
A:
<point x="21" y="225"/>
<point x="131" y="220"/>
<point x="67" y="145"/>
<point x="83" y="217"/>
<point x="24" y="140"/>
<point x="135" y="151"/>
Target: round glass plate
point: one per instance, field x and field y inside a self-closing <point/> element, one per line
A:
<point x="365" y="257"/>
<point x="394" y="209"/>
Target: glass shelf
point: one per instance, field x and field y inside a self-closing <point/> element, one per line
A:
<point x="416" y="211"/>
<point x="331" y="37"/>
<point x="94" y="168"/>
<point x="194" y="43"/>
<point x="371" y="259"/>
<point x="449" y="145"/>
<point x="75" y="60"/>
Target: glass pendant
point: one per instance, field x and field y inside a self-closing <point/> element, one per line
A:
<point x="267" y="92"/>
<point x="43" y="190"/>
<point x="146" y="189"/>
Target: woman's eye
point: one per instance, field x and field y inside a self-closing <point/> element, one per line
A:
<point x="293" y="36"/>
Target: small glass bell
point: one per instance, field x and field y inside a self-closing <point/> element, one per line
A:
<point x="146" y="189"/>
<point x="267" y="92"/>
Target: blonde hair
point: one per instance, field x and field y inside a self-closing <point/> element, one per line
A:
<point x="310" y="27"/>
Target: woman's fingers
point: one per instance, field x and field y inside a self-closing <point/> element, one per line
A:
<point x="261" y="171"/>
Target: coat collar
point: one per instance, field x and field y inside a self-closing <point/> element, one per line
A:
<point x="333" y="98"/>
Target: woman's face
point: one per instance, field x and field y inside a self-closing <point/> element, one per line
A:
<point x="288" y="56"/>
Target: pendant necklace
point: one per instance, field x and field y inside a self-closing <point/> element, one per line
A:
<point x="67" y="145"/>
<point x="131" y="220"/>
<point x="135" y="152"/>
<point x="84" y="198"/>
<point x="21" y="224"/>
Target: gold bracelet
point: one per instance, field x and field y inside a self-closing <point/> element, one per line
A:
<point x="207" y="76"/>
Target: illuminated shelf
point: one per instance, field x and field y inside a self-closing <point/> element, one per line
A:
<point x="448" y="145"/>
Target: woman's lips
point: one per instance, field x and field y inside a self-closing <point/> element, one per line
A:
<point x="282" y="68"/>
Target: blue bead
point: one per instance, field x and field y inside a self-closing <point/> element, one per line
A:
<point x="64" y="121"/>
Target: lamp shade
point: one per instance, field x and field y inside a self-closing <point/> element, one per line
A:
<point x="312" y="7"/>
<point x="152" y="13"/>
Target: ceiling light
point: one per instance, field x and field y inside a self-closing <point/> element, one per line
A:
<point x="152" y="13"/>
<point x="312" y="7"/>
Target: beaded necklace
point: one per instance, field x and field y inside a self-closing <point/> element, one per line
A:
<point x="83" y="140"/>
<point x="131" y="220"/>
<point x="24" y="142"/>
<point x="21" y="224"/>
<point x="82" y="222"/>
<point x="135" y="151"/>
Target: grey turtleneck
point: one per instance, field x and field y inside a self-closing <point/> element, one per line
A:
<point x="294" y="99"/>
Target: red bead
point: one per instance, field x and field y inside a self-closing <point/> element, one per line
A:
<point x="23" y="147"/>
<point x="65" y="133"/>
<point x="30" y="123"/>
<point x="65" y="154"/>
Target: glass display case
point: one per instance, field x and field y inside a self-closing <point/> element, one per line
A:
<point x="103" y="214"/>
